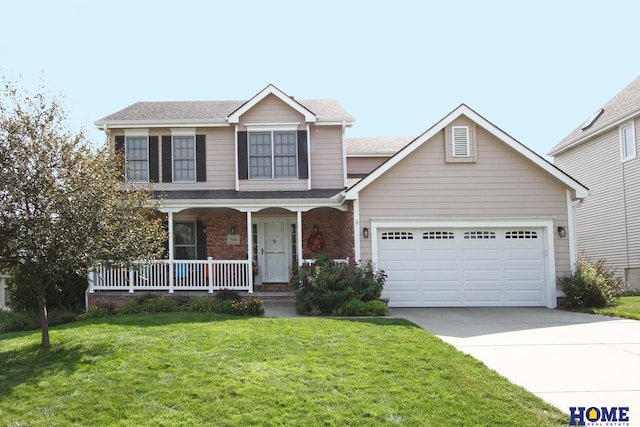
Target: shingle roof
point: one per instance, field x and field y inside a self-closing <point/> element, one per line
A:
<point x="624" y="104"/>
<point x="214" y="111"/>
<point x="376" y="146"/>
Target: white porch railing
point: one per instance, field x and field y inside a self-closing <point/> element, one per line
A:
<point x="165" y="275"/>
<point x="309" y="261"/>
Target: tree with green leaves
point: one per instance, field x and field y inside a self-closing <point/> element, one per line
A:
<point x="63" y="204"/>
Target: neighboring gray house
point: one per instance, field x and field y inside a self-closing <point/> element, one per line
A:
<point x="601" y="153"/>
<point x="462" y="215"/>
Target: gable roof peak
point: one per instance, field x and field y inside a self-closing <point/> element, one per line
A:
<point x="271" y="89"/>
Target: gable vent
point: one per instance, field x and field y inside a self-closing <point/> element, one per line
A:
<point x="460" y="135"/>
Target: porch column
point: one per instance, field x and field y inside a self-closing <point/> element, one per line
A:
<point x="171" y="251"/>
<point x="250" y="251"/>
<point x="299" y="237"/>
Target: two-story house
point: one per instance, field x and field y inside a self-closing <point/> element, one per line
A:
<point x="462" y="215"/>
<point x="601" y="153"/>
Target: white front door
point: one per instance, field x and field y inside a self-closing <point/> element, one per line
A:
<point x="275" y="251"/>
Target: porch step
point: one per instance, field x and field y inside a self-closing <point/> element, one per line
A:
<point x="272" y="287"/>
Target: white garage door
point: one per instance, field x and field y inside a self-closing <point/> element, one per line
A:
<point x="429" y="267"/>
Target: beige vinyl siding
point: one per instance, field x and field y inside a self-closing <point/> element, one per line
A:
<point x="326" y="157"/>
<point x="273" y="111"/>
<point x="632" y="206"/>
<point x="600" y="217"/>
<point x="501" y="183"/>
<point x="363" y="165"/>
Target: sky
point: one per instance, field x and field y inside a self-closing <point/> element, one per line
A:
<point x="536" y="69"/>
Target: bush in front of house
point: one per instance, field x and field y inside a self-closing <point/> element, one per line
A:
<point x="593" y="284"/>
<point x="225" y="303"/>
<point x="323" y="288"/>
<point x="29" y="321"/>
<point x="63" y="294"/>
<point x="356" y="307"/>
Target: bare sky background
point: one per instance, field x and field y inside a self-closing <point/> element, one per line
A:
<point x="536" y="69"/>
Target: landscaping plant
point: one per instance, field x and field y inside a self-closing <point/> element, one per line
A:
<point x="593" y="284"/>
<point x="324" y="287"/>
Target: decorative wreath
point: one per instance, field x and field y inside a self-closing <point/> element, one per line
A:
<point x="316" y="242"/>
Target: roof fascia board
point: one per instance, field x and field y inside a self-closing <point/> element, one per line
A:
<point x="234" y="117"/>
<point x="160" y="123"/>
<point x="291" y="204"/>
<point x="603" y="129"/>
<point x="580" y="190"/>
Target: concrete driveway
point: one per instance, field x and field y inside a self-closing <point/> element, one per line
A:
<point x="567" y="359"/>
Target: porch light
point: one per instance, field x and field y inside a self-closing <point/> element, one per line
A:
<point x="232" y="230"/>
<point x="365" y="233"/>
<point x="561" y="231"/>
<point x="315" y="229"/>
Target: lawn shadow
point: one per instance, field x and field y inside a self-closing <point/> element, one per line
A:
<point x="30" y="363"/>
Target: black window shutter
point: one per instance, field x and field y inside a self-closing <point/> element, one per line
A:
<point x="201" y="158"/>
<point x="167" y="175"/>
<point x="119" y="148"/>
<point x="201" y="239"/>
<point x="154" y="167"/>
<point x="243" y="157"/>
<point x="303" y="164"/>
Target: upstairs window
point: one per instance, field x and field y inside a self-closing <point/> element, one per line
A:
<point x="460" y="141"/>
<point x="273" y="155"/>
<point x="627" y="142"/>
<point x="137" y="155"/>
<point x="184" y="159"/>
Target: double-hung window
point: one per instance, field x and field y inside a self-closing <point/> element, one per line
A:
<point x="627" y="142"/>
<point x="137" y="155"/>
<point x="184" y="158"/>
<point x="273" y="155"/>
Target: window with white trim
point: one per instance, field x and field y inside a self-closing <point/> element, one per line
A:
<point x="137" y="155"/>
<point x="460" y="141"/>
<point x="627" y="142"/>
<point x="273" y="154"/>
<point x="184" y="158"/>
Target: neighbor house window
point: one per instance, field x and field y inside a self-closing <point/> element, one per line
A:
<point x="460" y="141"/>
<point x="137" y="155"/>
<point x="273" y="154"/>
<point x="184" y="158"/>
<point x="627" y="142"/>
<point x="185" y="244"/>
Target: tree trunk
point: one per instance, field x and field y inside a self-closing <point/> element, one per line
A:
<point x="44" y="321"/>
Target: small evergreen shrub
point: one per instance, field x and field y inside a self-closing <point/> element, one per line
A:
<point x="323" y="287"/>
<point x="199" y="305"/>
<point x="158" y="305"/>
<point x="592" y="285"/>
<point x="97" y="312"/>
<point x="356" y="307"/>
<point x="130" y="307"/>
<point x="29" y="321"/>
<point x="226" y="294"/>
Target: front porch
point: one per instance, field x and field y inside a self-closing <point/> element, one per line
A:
<point x="226" y="248"/>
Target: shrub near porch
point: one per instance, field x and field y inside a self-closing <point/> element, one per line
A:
<point x="338" y="289"/>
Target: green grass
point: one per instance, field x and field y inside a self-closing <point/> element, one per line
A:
<point x="626" y="307"/>
<point x="198" y="369"/>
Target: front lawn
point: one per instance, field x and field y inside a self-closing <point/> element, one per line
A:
<point x="627" y="307"/>
<point x="205" y="369"/>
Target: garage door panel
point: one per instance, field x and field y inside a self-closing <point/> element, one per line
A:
<point x="468" y="266"/>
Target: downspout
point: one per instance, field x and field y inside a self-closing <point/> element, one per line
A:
<point x="344" y="155"/>
<point x="308" y="157"/>
<point x="626" y="225"/>
<point x="356" y="229"/>
<point x="235" y="155"/>
<point x="571" y="226"/>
